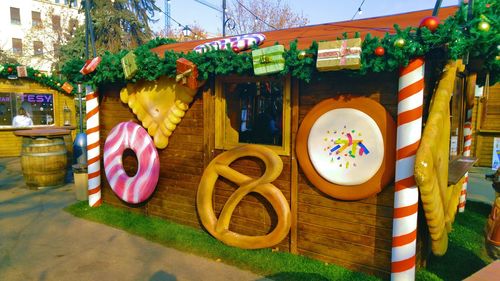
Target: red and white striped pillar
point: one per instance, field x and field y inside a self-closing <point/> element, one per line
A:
<point x="93" y="147"/>
<point x="409" y="132"/>
<point x="467" y="147"/>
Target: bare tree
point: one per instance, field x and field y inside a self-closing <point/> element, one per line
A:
<point x="5" y="57"/>
<point x="196" y="32"/>
<point x="263" y="15"/>
<point x="46" y="36"/>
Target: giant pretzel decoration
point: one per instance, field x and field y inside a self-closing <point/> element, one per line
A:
<point x="219" y="227"/>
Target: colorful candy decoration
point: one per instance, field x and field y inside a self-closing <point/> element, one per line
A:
<point x="467" y="148"/>
<point x="235" y="43"/>
<point x="93" y="147"/>
<point x="22" y="71"/>
<point x="339" y="54"/>
<point x="404" y="228"/>
<point x="220" y="166"/>
<point x="187" y="74"/>
<point x="160" y="105"/>
<point x="90" y="65"/>
<point x="342" y="150"/>
<point x="129" y="65"/>
<point x="138" y="188"/>
<point x="431" y="23"/>
<point x="268" y="60"/>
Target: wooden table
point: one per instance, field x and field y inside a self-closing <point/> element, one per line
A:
<point x="458" y="167"/>
<point x="49" y="132"/>
<point x="45" y="157"/>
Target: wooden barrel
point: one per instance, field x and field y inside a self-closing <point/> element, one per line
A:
<point x="44" y="161"/>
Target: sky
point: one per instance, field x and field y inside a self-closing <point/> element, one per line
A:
<point x="190" y="12"/>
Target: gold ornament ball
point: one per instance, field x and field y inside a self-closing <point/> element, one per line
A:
<point x="301" y="55"/>
<point x="58" y="84"/>
<point x="400" y="42"/>
<point x="484" y="26"/>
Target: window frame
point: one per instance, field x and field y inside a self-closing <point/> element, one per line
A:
<point x="36" y="21"/>
<point x="35" y="52"/>
<point x="20" y="52"/>
<point x="56" y="23"/>
<point x="15" y="21"/>
<point x="14" y="106"/>
<point x="225" y="142"/>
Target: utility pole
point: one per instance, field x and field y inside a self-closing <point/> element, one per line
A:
<point x="226" y="22"/>
<point x="167" y="25"/>
<point x="223" y="18"/>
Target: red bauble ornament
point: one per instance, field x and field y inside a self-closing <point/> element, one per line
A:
<point x="379" y="51"/>
<point x="9" y="69"/>
<point x="430" y="22"/>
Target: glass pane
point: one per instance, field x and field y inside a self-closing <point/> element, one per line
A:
<point x="5" y="109"/>
<point x="255" y="111"/>
<point x="77" y="112"/>
<point x="39" y="107"/>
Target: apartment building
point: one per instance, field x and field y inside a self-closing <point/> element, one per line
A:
<point x="33" y="30"/>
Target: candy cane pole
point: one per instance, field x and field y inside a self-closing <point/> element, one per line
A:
<point x="467" y="147"/>
<point x="93" y="147"/>
<point x="409" y="131"/>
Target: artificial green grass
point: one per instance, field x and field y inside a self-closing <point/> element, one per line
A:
<point x="465" y="254"/>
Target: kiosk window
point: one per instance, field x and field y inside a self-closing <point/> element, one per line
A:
<point x="39" y="107"/>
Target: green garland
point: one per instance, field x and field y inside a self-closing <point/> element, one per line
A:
<point x="453" y="39"/>
<point x="50" y="81"/>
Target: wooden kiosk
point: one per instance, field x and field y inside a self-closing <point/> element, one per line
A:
<point x="353" y="231"/>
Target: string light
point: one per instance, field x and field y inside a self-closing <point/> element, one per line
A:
<point x="180" y="25"/>
<point x="358" y="11"/>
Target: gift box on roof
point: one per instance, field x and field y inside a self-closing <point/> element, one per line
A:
<point x="187" y="74"/>
<point x="90" y="65"/>
<point x="268" y="60"/>
<point x="129" y="65"/>
<point x="67" y="87"/>
<point x="22" y="71"/>
<point x="340" y="54"/>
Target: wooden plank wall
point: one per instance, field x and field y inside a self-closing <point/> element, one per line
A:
<point x="10" y="145"/>
<point x="486" y="125"/>
<point x="356" y="234"/>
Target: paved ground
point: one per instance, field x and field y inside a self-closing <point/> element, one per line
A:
<point x="478" y="188"/>
<point x="39" y="241"/>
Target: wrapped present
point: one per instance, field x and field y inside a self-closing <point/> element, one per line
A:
<point x="129" y="65"/>
<point x="268" y="60"/>
<point x="340" y="54"/>
<point x="67" y="87"/>
<point x="22" y="71"/>
<point x="187" y="74"/>
<point x="90" y="65"/>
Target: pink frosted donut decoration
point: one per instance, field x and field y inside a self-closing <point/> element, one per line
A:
<point x="138" y="188"/>
<point x="236" y="43"/>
